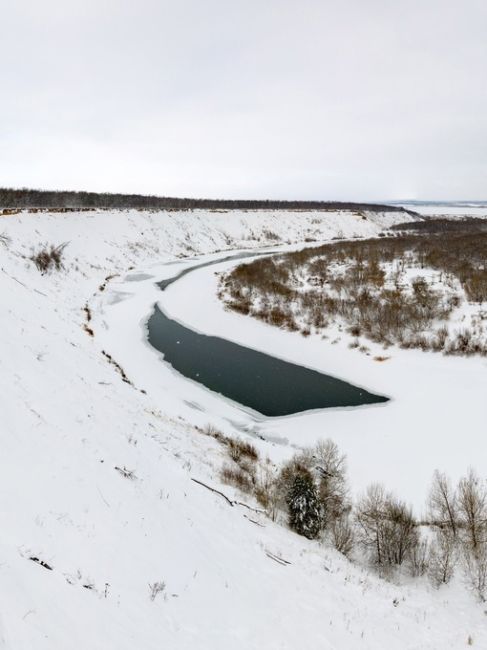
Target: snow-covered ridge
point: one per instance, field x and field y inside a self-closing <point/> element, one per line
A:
<point x="68" y="421"/>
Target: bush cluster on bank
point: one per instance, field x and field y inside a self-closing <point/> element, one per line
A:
<point x="310" y="494"/>
<point x="399" y="290"/>
<point x="49" y="257"/>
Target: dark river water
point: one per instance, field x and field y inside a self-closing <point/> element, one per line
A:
<point x="271" y="386"/>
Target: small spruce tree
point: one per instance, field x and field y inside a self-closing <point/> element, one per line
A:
<point x="303" y="506"/>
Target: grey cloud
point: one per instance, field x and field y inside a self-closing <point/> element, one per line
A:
<point x="358" y="99"/>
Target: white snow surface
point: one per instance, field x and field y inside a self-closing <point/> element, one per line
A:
<point x="68" y="420"/>
<point x="449" y="210"/>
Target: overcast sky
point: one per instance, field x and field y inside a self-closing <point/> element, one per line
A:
<point x="311" y="99"/>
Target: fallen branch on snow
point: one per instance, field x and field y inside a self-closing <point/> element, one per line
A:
<point x="257" y="523"/>
<point x="257" y="510"/>
<point x="276" y="558"/>
<point x="229" y="501"/>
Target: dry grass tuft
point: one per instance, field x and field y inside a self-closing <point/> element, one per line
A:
<point x="49" y="257"/>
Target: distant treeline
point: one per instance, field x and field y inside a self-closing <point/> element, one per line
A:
<point x="25" y="198"/>
<point x="445" y="225"/>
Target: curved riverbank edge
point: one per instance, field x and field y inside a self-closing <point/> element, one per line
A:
<point x="432" y="422"/>
<point x="266" y="384"/>
<point x="437" y="402"/>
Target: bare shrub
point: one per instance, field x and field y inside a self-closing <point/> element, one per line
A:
<point x="443" y="503"/>
<point x="5" y="239"/>
<point x="266" y="490"/>
<point x="156" y="588"/>
<point x="214" y="432"/>
<point x="475" y="565"/>
<point x="443" y="557"/>
<point x="239" y="449"/>
<point x="461" y="343"/>
<point x="49" y="257"/>
<point x="237" y="477"/>
<point x="342" y="534"/>
<point x="465" y="343"/>
<point x="243" y="306"/>
<point x="476" y="286"/>
<point x="386" y="527"/>
<point x="270" y="234"/>
<point x="369" y="515"/>
<point x="332" y="489"/>
<point x="440" y="338"/>
<point x="419" y="558"/>
<point x="472" y="510"/>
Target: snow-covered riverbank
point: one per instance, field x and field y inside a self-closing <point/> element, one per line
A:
<point x="433" y="419"/>
<point x="69" y="421"/>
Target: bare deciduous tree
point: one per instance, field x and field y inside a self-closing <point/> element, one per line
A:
<point x="475" y="562"/>
<point x="342" y="534"/>
<point x="387" y="529"/>
<point x="266" y="490"/>
<point x="369" y="516"/>
<point x="443" y="556"/>
<point x="472" y="509"/>
<point x="333" y="490"/>
<point x="443" y="503"/>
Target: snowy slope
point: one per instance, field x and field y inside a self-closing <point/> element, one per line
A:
<point x="69" y="421"/>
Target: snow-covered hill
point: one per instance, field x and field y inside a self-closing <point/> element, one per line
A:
<point x="83" y="544"/>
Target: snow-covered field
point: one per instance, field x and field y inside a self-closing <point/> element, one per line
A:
<point x="450" y="210"/>
<point x="69" y="421"/>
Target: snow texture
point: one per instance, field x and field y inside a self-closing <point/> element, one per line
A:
<point x="107" y="542"/>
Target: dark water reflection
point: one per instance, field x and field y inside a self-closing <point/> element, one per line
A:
<point x="268" y="385"/>
<point x="264" y="383"/>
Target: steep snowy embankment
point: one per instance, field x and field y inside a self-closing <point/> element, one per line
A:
<point x="68" y="423"/>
